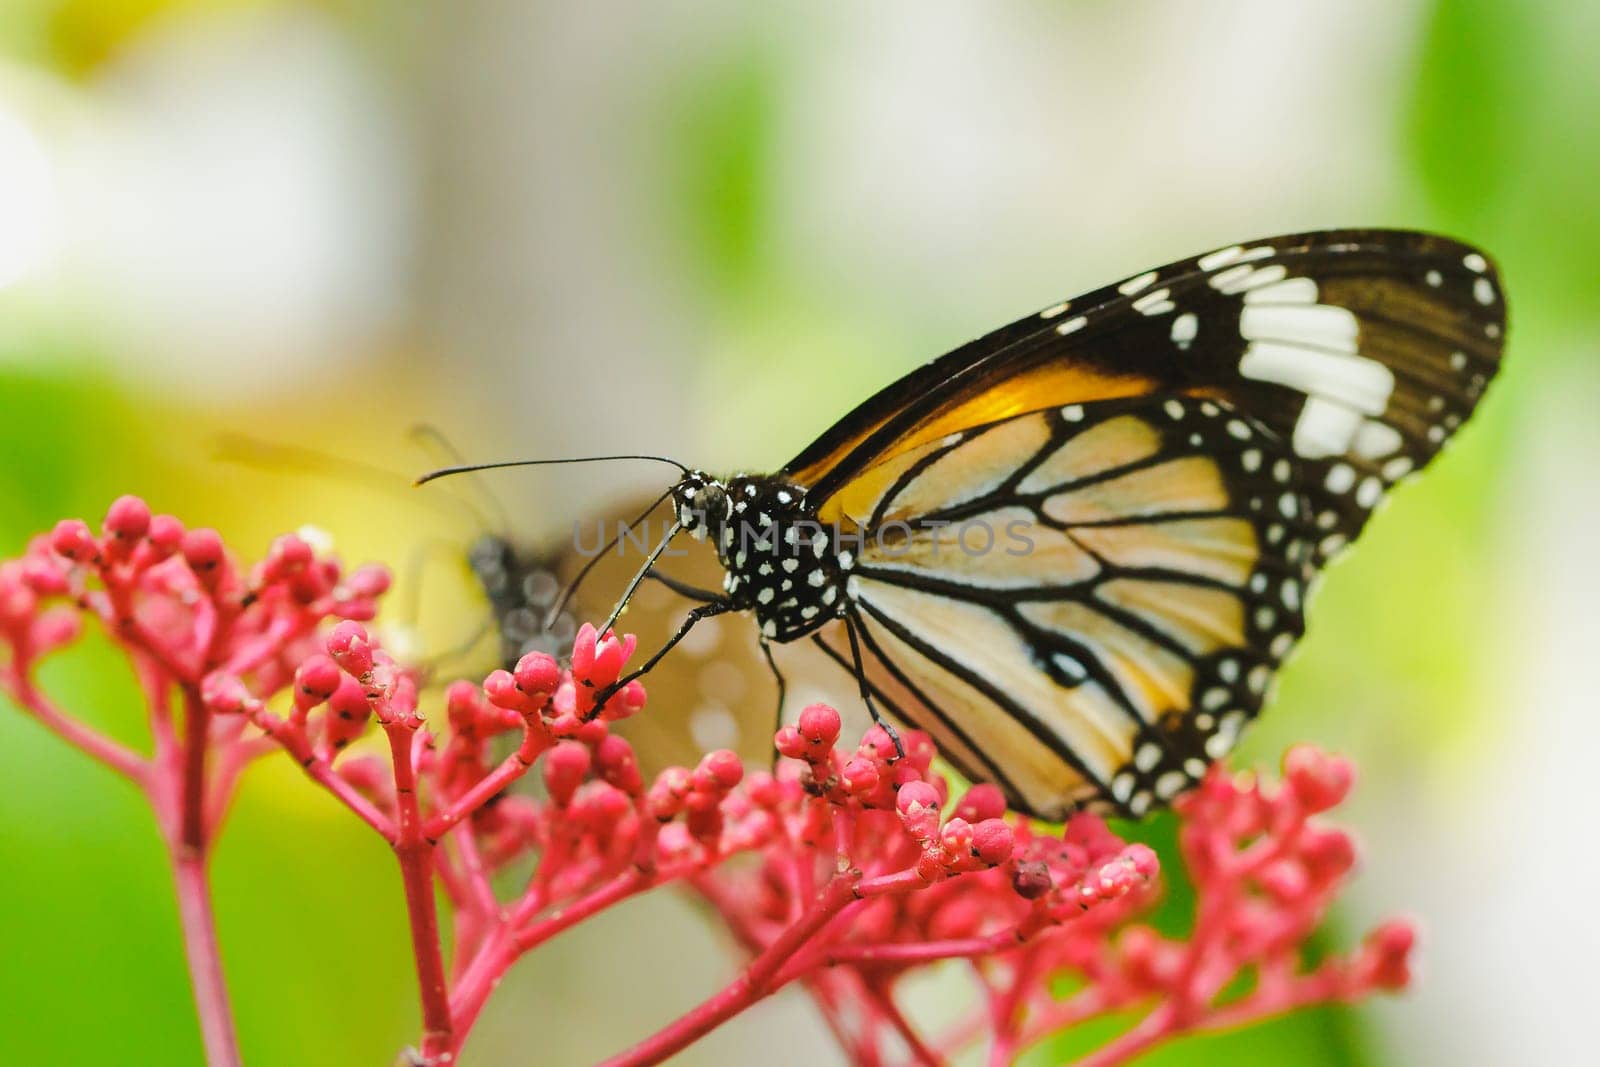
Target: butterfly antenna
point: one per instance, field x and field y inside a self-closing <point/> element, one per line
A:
<point x="627" y="594"/>
<point x="468" y="468"/>
<point x="430" y="437"/>
<point x="577" y="580"/>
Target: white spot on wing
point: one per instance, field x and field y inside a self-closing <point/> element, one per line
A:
<point x="1220" y="258"/>
<point x="1376" y="439"/>
<point x="1072" y="325"/>
<point x="1288" y="291"/>
<point x="1184" y="329"/>
<point x="1324" y="428"/>
<point x="1341" y="476"/>
<point x="1154" y="303"/>
<point x="1353" y="381"/>
<point x="1134" y="285"/>
<point x="1318" y="325"/>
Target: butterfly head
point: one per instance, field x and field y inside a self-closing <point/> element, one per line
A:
<point x="702" y="503"/>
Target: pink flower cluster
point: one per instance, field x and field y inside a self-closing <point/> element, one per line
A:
<point x="839" y="872"/>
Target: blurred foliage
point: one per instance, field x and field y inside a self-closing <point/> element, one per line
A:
<point x="718" y="134"/>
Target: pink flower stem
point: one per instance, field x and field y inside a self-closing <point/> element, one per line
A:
<point x="96" y="745"/>
<point x="755" y="984"/>
<point x="510" y="769"/>
<point x="415" y="853"/>
<point x="189" y="846"/>
<point x="192" y="800"/>
<point x="293" y="739"/>
<point x="1320" y="987"/>
<point x="914" y="951"/>
<point x="1006" y="1011"/>
<point x="510" y="939"/>
<point x="205" y="960"/>
<point x="883" y="1001"/>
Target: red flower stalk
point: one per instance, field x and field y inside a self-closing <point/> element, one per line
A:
<point x="841" y="872"/>
<point x="186" y="617"/>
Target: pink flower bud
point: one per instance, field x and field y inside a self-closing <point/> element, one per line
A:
<point x="819" y="725"/>
<point x="288" y="555"/>
<point x="538" y="674"/>
<point x="625" y="702"/>
<point x="54" y="629"/>
<point x="43" y="575"/>
<point x="224" y="694"/>
<point x="1386" y="955"/>
<point x="981" y="802"/>
<point x="705" y="823"/>
<point x="763" y="789"/>
<point x="993" y="841"/>
<point x="565" y="767"/>
<point x="462" y="706"/>
<point x="349" y="701"/>
<point x="877" y="742"/>
<point x="501" y="689"/>
<point x="666" y="796"/>
<point x="17" y="603"/>
<point x="583" y="650"/>
<point x="789" y="743"/>
<point x="1328" y="854"/>
<point x="348" y="712"/>
<point x="955" y="837"/>
<point x="369" y="581"/>
<point x="165" y="535"/>
<point x="71" y="539"/>
<point x="202" y="550"/>
<point x="1285" y="880"/>
<point x="317" y="678"/>
<point x="917" y="796"/>
<point x="616" y="763"/>
<point x="1031" y="879"/>
<point x="609" y="657"/>
<point x="128" y="519"/>
<point x="1146" y="959"/>
<point x="1319" y="780"/>
<point x="722" y="769"/>
<point x="860" y="777"/>
<point x="351" y="648"/>
<point x="600" y="807"/>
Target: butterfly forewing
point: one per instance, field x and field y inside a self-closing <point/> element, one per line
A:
<point x="1182" y="451"/>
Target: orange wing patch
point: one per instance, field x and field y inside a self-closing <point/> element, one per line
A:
<point x="1047" y="385"/>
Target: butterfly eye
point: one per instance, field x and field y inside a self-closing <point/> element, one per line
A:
<point x="700" y="501"/>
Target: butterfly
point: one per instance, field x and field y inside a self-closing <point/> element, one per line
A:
<point x="1077" y="550"/>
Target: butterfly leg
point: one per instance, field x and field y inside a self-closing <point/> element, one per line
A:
<point x="702" y="611"/>
<point x="684" y="589"/>
<point x="866" y="690"/>
<point x="783" y="689"/>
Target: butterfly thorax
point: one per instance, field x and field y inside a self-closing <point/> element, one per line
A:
<point x="782" y="564"/>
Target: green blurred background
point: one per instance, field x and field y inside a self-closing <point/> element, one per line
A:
<point x="707" y="229"/>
